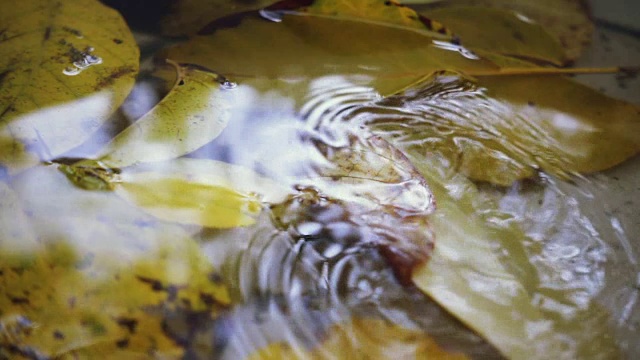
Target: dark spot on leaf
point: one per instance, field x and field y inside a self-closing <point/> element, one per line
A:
<point x="58" y="335"/>
<point x="47" y="33"/>
<point x="115" y="75"/>
<point x="19" y="300"/>
<point x="129" y="323"/>
<point x="72" y="31"/>
<point x="288" y="5"/>
<point x="117" y="41"/>
<point x="156" y="285"/>
<point x="518" y="36"/>
<point x="123" y="343"/>
<point x="215" y="278"/>
<point x="531" y="103"/>
<point x="181" y="82"/>
<point x="210" y="300"/>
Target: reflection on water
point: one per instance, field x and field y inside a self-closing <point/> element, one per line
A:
<point x="343" y="242"/>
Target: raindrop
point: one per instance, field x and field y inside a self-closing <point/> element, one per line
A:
<point x="227" y="85"/>
<point x="271" y="15"/>
<point x="71" y="71"/>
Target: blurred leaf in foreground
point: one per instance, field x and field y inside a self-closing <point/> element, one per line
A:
<point x="364" y="339"/>
<point x="65" y="66"/>
<point x="104" y="279"/>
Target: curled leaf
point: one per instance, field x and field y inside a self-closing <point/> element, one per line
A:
<point x="65" y="66"/>
<point x="191" y="115"/>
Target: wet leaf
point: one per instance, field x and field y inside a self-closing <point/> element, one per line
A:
<point x="194" y="112"/>
<point x="364" y="339"/>
<point x="189" y="16"/>
<point x="301" y="48"/>
<point x="104" y="279"/>
<point x="500" y="31"/>
<point x="385" y="13"/>
<point x="568" y="20"/>
<point x="485" y="290"/>
<point x="65" y="67"/>
<point x="504" y="129"/>
<point x="201" y="192"/>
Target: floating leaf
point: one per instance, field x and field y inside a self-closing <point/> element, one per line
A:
<point x="364" y="339"/>
<point x="300" y="48"/>
<point x="65" y="66"/>
<point x="189" y="16"/>
<point x="567" y="20"/>
<point x="105" y="280"/>
<point x="201" y="192"/>
<point x="191" y="115"/>
<point x="504" y="129"/>
<point x="500" y="31"/>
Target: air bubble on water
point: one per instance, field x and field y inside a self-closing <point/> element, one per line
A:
<point x="271" y="15"/>
<point x="83" y="61"/>
<point x="227" y="85"/>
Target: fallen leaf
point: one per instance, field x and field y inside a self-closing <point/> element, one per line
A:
<point x="500" y="31"/>
<point x="65" y="67"/>
<point x="187" y="17"/>
<point x="568" y="20"/>
<point x="194" y="112"/>
<point x="504" y="129"/>
<point x="104" y="280"/>
<point x="494" y="294"/>
<point x="201" y="192"/>
<point x="364" y="339"/>
<point x="301" y="48"/>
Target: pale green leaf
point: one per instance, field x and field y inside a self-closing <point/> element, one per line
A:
<point x="194" y="112"/>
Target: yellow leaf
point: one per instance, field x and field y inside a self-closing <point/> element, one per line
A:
<point x="191" y="115"/>
<point x="301" y="48"/>
<point x="568" y="20"/>
<point x="500" y="31"/>
<point x="104" y="279"/>
<point x="364" y="339"/>
<point x="501" y="129"/>
<point x="65" y="66"/>
<point x="496" y="295"/>
<point x="201" y="192"/>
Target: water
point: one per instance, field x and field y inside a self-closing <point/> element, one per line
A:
<point x="354" y="223"/>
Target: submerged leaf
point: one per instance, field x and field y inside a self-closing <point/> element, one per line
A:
<point x="364" y="339"/>
<point x="202" y="192"/>
<point x="65" y="66"/>
<point x="500" y="31"/>
<point x="302" y="48"/>
<point x="191" y="115"/>
<point x="567" y="20"/>
<point x="469" y="278"/>
<point x="504" y="129"/>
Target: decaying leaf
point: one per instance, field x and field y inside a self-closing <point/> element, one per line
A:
<point x="364" y="339"/>
<point x="302" y="48"/>
<point x="500" y="31"/>
<point x="191" y="115"/>
<point x="568" y="20"/>
<point x="65" y="66"/>
<point x="103" y="280"/>
<point x="504" y="129"/>
<point x="190" y="16"/>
